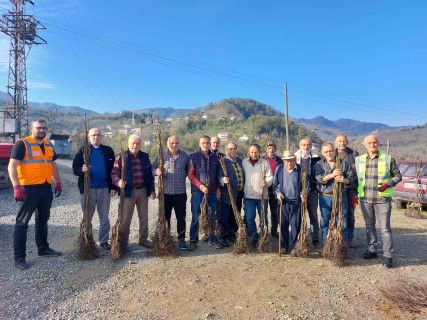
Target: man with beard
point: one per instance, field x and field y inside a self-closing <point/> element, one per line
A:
<point x="32" y="169"/>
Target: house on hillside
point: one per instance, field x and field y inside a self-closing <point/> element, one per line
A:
<point x="224" y="135"/>
<point x="62" y="144"/>
<point x="244" y="138"/>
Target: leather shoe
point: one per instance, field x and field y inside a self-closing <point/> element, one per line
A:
<point x="388" y="262"/>
<point x="22" y="264"/>
<point x="105" y="246"/>
<point x="351" y="244"/>
<point x="146" y="243"/>
<point x="49" y="253"/>
<point x="369" y="255"/>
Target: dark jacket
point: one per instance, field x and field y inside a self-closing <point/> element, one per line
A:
<point x="314" y="158"/>
<point x="78" y="162"/>
<point x="146" y="171"/>
<point x="350" y="156"/>
<point x="202" y="169"/>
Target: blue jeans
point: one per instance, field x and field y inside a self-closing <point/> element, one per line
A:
<point x="325" y="203"/>
<point x="196" y="200"/>
<point x="251" y="207"/>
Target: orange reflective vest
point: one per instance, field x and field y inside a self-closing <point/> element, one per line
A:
<point x="36" y="167"/>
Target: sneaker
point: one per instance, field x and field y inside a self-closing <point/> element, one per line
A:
<point x="146" y="243"/>
<point x="293" y="253"/>
<point x="182" y="245"/>
<point x="369" y="255"/>
<point x="216" y="244"/>
<point x="49" y="253"/>
<point x="351" y="244"/>
<point x="22" y="264"/>
<point x="388" y="262"/>
<point x="105" y="246"/>
<point x="205" y="238"/>
<point x="224" y="243"/>
<point x="192" y="246"/>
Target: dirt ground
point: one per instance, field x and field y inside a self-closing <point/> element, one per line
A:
<point x="206" y="283"/>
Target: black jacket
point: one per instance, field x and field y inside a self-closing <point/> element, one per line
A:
<point x="78" y="162"/>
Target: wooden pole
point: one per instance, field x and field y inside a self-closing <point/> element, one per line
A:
<point x="388" y="146"/>
<point x="286" y="116"/>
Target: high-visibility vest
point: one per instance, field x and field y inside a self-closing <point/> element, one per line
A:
<point x="384" y="161"/>
<point x="36" y="167"/>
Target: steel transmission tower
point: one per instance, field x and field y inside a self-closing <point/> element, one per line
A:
<point x="23" y="32"/>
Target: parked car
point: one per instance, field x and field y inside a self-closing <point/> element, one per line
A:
<point x="413" y="187"/>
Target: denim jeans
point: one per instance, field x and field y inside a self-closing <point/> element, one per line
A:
<point x="196" y="200"/>
<point x="381" y="211"/>
<point x="325" y="203"/>
<point x="251" y="207"/>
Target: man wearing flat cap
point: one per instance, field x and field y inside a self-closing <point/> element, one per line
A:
<point x="287" y="185"/>
<point x="274" y="160"/>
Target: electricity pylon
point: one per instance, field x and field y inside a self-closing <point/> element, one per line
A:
<point x="23" y="32"/>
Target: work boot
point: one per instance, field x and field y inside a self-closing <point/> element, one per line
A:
<point x="388" y="262"/>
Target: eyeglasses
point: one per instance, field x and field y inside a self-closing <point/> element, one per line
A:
<point x="40" y="128"/>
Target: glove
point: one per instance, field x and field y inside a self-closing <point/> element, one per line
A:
<point x="382" y="186"/>
<point x="354" y="202"/>
<point x="19" y="193"/>
<point x="58" y="189"/>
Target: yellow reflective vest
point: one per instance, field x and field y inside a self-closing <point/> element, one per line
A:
<point x="36" y="167"/>
<point x="383" y="174"/>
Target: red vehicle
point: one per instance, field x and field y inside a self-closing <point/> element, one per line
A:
<point x="5" y="150"/>
<point x="413" y="187"/>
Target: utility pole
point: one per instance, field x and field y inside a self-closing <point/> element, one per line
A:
<point x="286" y="116"/>
<point x="23" y="32"/>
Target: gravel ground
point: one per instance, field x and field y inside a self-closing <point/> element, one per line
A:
<point x="205" y="284"/>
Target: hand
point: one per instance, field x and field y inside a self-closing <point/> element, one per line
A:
<point x="158" y="172"/>
<point x="382" y="186"/>
<point x="19" y="193"/>
<point x="204" y="189"/>
<point x="226" y="180"/>
<point x="113" y="193"/>
<point x="263" y="183"/>
<point x="280" y="197"/>
<point x="336" y="172"/>
<point x="121" y="184"/>
<point x="58" y="189"/>
<point x="354" y="202"/>
<point x="339" y="178"/>
<point x="153" y="195"/>
<point x="84" y="168"/>
<point x="304" y="198"/>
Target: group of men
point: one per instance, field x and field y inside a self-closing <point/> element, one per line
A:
<point x="256" y="181"/>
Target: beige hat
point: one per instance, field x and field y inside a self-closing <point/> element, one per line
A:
<point x="287" y="155"/>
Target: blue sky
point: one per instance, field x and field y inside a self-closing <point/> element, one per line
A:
<point x="364" y="60"/>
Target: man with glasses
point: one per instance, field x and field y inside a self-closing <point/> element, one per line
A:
<point x="236" y="178"/>
<point x="32" y="169"/>
<point x="101" y="161"/>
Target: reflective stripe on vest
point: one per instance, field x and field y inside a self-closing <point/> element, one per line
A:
<point x="384" y="161"/>
<point x="36" y="167"/>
